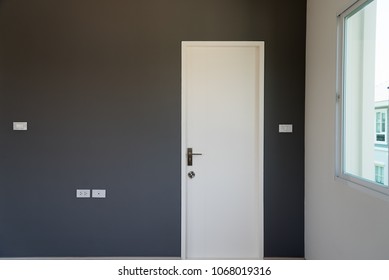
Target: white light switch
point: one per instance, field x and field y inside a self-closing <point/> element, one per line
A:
<point x="20" y="125"/>
<point x="285" y="128"/>
<point x="98" y="193"/>
<point x="82" y="193"/>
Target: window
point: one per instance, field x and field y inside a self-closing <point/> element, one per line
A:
<point x="379" y="173"/>
<point x="380" y="124"/>
<point x="363" y="95"/>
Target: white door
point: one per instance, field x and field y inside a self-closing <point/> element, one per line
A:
<point x="222" y="119"/>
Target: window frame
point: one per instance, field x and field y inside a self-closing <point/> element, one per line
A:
<point x="385" y="133"/>
<point x="340" y="118"/>
<point x="381" y="166"/>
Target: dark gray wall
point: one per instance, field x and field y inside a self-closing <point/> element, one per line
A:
<point x="99" y="84"/>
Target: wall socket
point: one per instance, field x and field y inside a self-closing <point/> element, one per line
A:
<point x="82" y="193"/>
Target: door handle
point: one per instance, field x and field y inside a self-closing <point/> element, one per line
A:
<point x="190" y="155"/>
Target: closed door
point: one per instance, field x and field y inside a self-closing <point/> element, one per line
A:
<point x="222" y="150"/>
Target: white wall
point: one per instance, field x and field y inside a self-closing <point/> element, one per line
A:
<point x="342" y="221"/>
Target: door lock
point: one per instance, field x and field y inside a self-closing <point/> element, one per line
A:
<point x="190" y="155"/>
<point x="191" y="174"/>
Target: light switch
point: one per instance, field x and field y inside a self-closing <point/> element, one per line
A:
<point x="99" y="193"/>
<point x="20" y="125"/>
<point x="82" y="193"/>
<point x="285" y="128"/>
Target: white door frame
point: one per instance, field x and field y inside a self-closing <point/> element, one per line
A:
<point x="184" y="46"/>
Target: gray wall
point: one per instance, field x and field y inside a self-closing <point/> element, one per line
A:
<point x="99" y="84"/>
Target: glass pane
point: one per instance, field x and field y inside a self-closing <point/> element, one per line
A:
<point x="365" y="92"/>
<point x="376" y="174"/>
<point x="381" y="174"/>
<point x="378" y="118"/>
<point x="380" y="137"/>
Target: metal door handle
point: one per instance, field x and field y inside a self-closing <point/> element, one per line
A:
<point x="190" y="156"/>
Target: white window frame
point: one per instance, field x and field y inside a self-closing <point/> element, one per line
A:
<point x="379" y="165"/>
<point x="381" y="110"/>
<point x="340" y="172"/>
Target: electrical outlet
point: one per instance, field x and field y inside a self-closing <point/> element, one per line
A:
<point x="82" y="193"/>
<point x="99" y="193"/>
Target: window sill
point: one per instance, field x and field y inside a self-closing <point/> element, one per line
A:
<point x="363" y="189"/>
